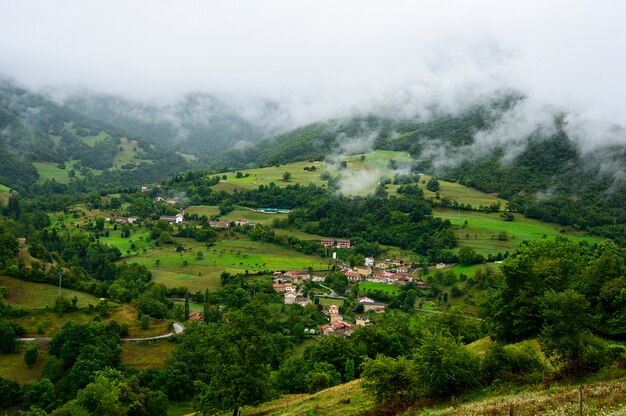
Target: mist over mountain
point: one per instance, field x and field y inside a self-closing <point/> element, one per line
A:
<point x="199" y="124"/>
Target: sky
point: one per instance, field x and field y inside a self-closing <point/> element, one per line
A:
<point x="325" y="58"/>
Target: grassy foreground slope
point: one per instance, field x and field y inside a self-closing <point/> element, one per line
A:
<point x="599" y="398"/>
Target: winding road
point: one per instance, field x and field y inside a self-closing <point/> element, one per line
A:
<point x="178" y="329"/>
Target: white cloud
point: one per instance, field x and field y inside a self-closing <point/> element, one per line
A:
<point x="325" y="58"/>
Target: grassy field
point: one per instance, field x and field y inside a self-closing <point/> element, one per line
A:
<point x="127" y="153"/>
<point x="139" y="236"/>
<point x="482" y="230"/>
<point x="49" y="170"/>
<point x="91" y="141"/>
<point x="12" y="365"/>
<point x="264" y="176"/>
<point x="329" y="301"/>
<point x="460" y="193"/>
<point x="371" y="286"/>
<point x="345" y="399"/>
<point x="29" y="295"/>
<point x="147" y="354"/>
<point x="52" y="322"/>
<point x="233" y="254"/>
<point x="359" y="178"/>
<point x="239" y="213"/>
<point x="4" y="194"/>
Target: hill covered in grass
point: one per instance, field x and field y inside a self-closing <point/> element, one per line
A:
<point x="548" y="167"/>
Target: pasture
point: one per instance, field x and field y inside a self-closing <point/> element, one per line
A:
<point x="53" y="322"/>
<point x="147" y="354"/>
<point x="239" y="213"/>
<point x="28" y="295"/>
<point x="12" y="365"/>
<point x="264" y="176"/>
<point x="91" y="141"/>
<point x="138" y="242"/>
<point x="488" y="233"/>
<point x="360" y="177"/>
<point x="5" y="192"/>
<point x="127" y="153"/>
<point x="369" y="287"/>
<point x="235" y="255"/>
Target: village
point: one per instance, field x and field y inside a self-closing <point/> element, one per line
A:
<point x="388" y="271"/>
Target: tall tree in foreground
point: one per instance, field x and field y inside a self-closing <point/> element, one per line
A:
<point x="235" y="361"/>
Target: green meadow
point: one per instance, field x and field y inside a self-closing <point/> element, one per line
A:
<point x="127" y="153"/>
<point x="367" y="168"/>
<point x="52" y="322"/>
<point x="91" y="141"/>
<point x="50" y="171"/>
<point x="264" y="176"/>
<point x="5" y="192"/>
<point x="239" y="213"/>
<point x="460" y="193"/>
<point x="366" y="287"/>
<point x="236" y="255"/>
<point x="482" y="230"/>
<point x="12" y="365"/>
<point x="30" y="295"/>
<point x="139" y="240"/>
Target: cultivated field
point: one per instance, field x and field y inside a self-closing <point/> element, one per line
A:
<point x="482" y="230"/>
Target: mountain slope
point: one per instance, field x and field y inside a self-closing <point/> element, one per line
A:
<point x="534" y="158"/>
<point x="199" y="124"/>
<point x="35" y="129"/>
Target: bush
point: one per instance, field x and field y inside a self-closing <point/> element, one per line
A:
<point x="31" y="355"/>
<point x="516" y="363"/>
<point x="9" y="392"/>
<point x="455" y="291"/>
<point x="444" y="367"/>
<point x="392" y="382"/>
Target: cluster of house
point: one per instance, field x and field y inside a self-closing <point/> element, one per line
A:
<point x="337" y="326"/>
<point x="229" y="223"/>
<point x="391" y="272"/>
<point x="329" y="242"/>
<point x="286" y="283"/>
<point x="397" y="276"/>
<point x="172" y="219"/>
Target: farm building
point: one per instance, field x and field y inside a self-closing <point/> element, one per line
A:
<point x="327" y="242"/>
<point x="176" y="219"/>
<point x="343" y="243"/>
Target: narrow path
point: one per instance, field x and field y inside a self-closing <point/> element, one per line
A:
<point x="178" y="329"/>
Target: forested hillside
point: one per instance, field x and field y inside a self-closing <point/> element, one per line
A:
<point x="199" y="124"/>
<point x="41" y="140"/>
<point x="542" y="171"/>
